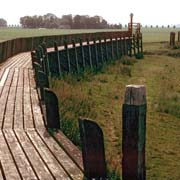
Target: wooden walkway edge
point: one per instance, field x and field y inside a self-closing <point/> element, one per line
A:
<point x="27" y="150"/>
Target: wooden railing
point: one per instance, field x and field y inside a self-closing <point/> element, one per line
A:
<point x="15" y="46"/>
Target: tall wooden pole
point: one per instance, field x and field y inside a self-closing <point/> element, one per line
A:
<point x="172" y="38"/>
<point x="131" y="23"/>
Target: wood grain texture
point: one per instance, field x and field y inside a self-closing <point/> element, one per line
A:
<point x="25" y="153"/>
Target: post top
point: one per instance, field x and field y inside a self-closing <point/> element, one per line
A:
<point x="135" y="95"/>
<point x="131" y="14"/>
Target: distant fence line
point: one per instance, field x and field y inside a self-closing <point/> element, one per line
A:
<point x="15" y="46"/>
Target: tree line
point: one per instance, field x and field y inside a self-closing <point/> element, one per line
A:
<point x="66" y="22"/>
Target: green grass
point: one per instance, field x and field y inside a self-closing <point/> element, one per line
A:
<point x="149" y="34"/>
<point x="11" y="33"/>
<point x="158" y="34"/>
<point x="99" y="96"/>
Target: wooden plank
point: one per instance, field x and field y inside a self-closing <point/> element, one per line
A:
<point x="22" y="59"/>
<point x="9" y="62"/>
<point x="18" y="111"/>
<point x="21" y="77"/>
<point x="15" y="77"/>
<point x="3" y="100"/>
<point x="31" y="78"/>
<point x="4" y="77"/>
<point x="19" y="61"/>
<point x="70" y="148"/>
<point x="26" y="58"/>
<point x="62" y="157"/>
<point x="1" y="71"/>
<point x="28" y="116"/>
<point x="37" y="114"/>
<point x="16" y="60"/>
<point x="8" y="119"/>
<point x="11" y="99"/>
<point x="36" y="110"/>
<point x="9" y="77"/>
<point x="29" y="65"/>
<point x="19" y="156"/>
<point x="48" y="157"/>
<point x="36" y="161"/>
<point x="27" y="62"/>
<point x="2" y="175"/>
<point x="7" y="162"/>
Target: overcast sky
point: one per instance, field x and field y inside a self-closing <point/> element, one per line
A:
<point x="151" y="12"/>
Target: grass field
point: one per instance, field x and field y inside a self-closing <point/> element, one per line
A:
<point x="149" y="34"/>
<point x="10" y="33"/>
<point x="100" y="97"/>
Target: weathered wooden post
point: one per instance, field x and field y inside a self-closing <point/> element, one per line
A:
<point x="52" y="109"/>
<point x="106" y="49"/>
<point x="117" y="50"/>
<point x="130" y="28"/>
<point x="37" y="54"/>
<point x="141" y="43"/>
<point x="45" y="58"/>
<point x="101" y="50"/>
<point x="92" y="150"/>
<point x="122" y="46"/>
<point x="134" y="44"/>
<point x="82" y="53"/>
<point x="75" y="54"/>
<point x="58" y="58"/>
<point x="68" y="57"/>
<point x="172" y="38"/>
<point x="96" y="53"/>
<point x="41" y="52"/>
<point x="134" y="133"/>
<point x="34" y="58"/>
<point x="89" y="54"/>
<point x="42" y="82"/>
<point x="43" y="45"/>
<point x="178" y="36"/>
<point x="37" y="67"/>
<point x="125" y="46"/>
<point x="112" y="48"/>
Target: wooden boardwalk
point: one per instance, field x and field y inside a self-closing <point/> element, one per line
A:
<point x="27" y="151"/>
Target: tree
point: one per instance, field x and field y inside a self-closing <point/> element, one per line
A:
<point x="120" y="26"/>
<point x="47" y="21"/>
<point x="77" y="22"/>
<point x="3" y="22"/>
<point x="67" y="20"/>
